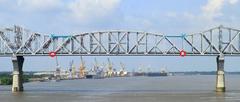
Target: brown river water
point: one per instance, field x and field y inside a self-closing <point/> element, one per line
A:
<point x="199" y="88"/>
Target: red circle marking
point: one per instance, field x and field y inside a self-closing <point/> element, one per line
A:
<point x="183" y="53"/>
<point x="52" y="54"/>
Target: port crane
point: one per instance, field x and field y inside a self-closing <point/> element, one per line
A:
<point x="82" y="72"/>
<point x="96" y="65"/>
<point x="122" y="70"/>
<point x="72" y="69"/>
<point x="58" y="69"/>
<point x="110" y="69"/>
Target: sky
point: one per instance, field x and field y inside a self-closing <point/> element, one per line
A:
<point x="170" y="17"/>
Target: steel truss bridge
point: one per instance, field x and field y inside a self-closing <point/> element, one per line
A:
<point x="17" y="42"/>
<point x="219" y="40"/>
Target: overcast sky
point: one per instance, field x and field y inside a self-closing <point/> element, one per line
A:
<point x="170" y="17"/>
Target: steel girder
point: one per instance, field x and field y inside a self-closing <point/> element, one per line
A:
<point x="216" y="41"/>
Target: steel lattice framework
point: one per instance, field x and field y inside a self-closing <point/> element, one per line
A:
<point x="216" y="41"/>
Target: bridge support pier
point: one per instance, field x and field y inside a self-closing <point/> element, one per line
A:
<point x="17" y="84"/>
<point x="220" y="82"/>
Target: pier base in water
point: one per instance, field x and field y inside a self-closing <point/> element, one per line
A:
<point x="220" y="82"/>
<point x="17" y="84"/>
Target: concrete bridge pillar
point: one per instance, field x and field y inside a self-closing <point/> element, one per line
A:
<point x="220" y="82"/>
<point x="17" y="84"/>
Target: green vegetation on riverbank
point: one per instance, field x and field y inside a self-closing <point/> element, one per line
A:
<point x="6" y="79"/>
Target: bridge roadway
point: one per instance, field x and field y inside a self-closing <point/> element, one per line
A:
<point x="17" y="42"/>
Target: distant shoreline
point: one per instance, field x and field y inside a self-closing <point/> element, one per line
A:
<point x="174" y="73"/>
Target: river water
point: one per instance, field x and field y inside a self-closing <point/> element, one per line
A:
<point x="199" y="88"/>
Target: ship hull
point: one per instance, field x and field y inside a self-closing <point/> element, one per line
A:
<point x="156" y="74"/>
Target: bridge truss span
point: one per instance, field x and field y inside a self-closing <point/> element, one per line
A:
<point x="216" y="41"/>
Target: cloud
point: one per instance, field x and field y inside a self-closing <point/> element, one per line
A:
<point x="33" y="5"/>
<point x="233" y="1"/>
<point x="171" y="14"/>
<point x="212" y="9"/>
<point x="1" y="1"/>
<point x="84" y="10"/>
<point x="213" y="13"/>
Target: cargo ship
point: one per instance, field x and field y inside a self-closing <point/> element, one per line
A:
<point x="91" y="75"/>
<point x="156" y="74"/>
<point x="95" y="74"/>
